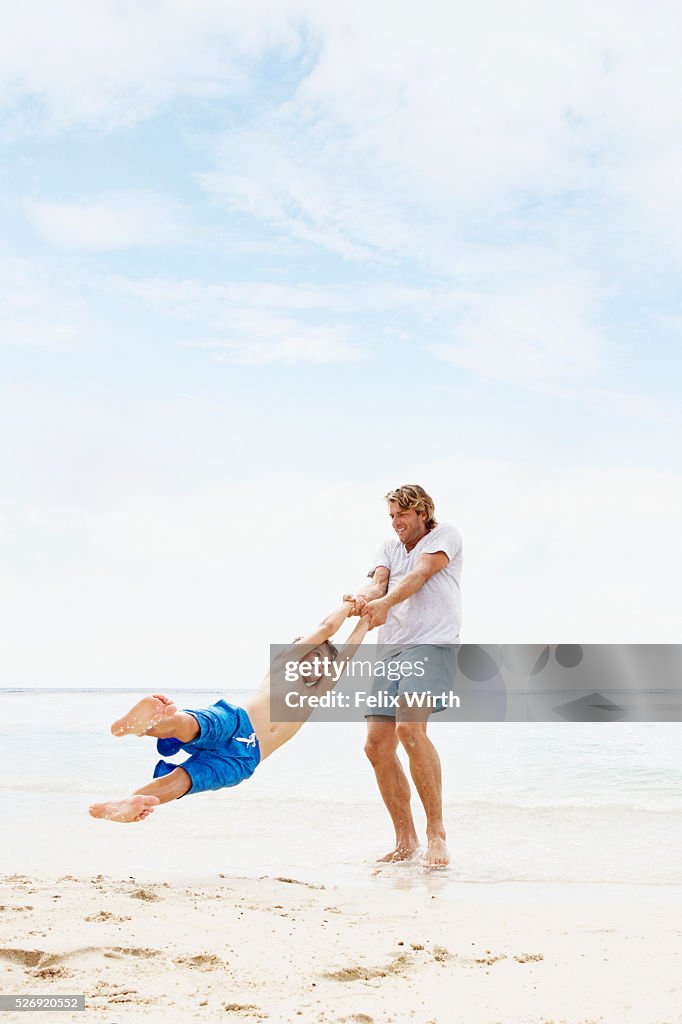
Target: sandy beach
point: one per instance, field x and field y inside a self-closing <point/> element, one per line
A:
<point x="283" y="949"/>
<point x="562" y="904"/>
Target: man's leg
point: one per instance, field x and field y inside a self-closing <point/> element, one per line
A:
<point x="141" y="804"/>
<point x="426" y="774"/>
<point x="381" y="749"/>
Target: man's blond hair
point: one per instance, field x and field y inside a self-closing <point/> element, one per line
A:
<point x="413" y="496"/>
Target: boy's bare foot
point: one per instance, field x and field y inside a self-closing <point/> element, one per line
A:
<point x="400" y="853"/>
<point x="437" y="855"/>
<point x="145" y="714"/>
<point x="132" y="808"/>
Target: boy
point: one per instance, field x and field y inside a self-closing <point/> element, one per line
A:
<point x="226" y="743"/>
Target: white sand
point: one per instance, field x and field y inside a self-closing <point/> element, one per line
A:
<point x="240" y="949"/>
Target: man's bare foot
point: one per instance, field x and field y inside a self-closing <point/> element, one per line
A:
<point x="436" y="855"/>
<point x="400" y="853"/>
<point x="146" y="713"/>
<point x="132" y="808"/>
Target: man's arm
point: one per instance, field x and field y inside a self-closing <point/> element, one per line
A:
<point x="370" y="591"/>
<point x="425" y="567"/>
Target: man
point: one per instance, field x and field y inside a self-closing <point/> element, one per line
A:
<point x="225" y="743"/>
<point x="414" y="599"/>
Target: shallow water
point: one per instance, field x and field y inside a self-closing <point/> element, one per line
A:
<point x="524" y="802"/>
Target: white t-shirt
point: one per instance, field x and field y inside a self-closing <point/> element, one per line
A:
<point x="433" y="615"/>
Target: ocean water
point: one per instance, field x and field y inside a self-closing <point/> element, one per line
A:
<point x="524" y="802"/>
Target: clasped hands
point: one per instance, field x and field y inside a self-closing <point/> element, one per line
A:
<point x="374" y="611"/>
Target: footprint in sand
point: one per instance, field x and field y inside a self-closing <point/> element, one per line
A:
<point x="145" y="894"/>
<point x="140" y="952"/>
<point x="201" y="961"/>
<point x="249" y="1009"/>
<point x="355" y="974"/>
<point x="37" y="962"/>
<point x="526" y="958"/>
<point x="297" y="881"/>
<point x="40" y="960"/>
<point x="112" y="993"/>
<point x="51" y="973"/>
<point x="398" y="965"/>
<point x="25" y="957"/>
<point x="104" y="915"/>
<point x="127" y="997"/>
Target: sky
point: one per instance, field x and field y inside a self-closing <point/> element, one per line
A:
<point x="261" y="263"/>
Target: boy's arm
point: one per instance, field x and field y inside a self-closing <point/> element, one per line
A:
<point x="350" y="648"/>
<point x="330" y="624"/>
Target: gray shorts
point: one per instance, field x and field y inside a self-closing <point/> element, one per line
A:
<point x="424" y="669"/>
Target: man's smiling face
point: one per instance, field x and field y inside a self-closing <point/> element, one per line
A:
<point x="407" y="523"/>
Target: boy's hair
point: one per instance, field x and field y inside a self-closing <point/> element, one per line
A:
<point x="413" y="496"/>
<point x="330" y="651"/>
<point x="327" y="649"/>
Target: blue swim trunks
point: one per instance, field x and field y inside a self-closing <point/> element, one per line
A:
<point x="225" y="752"/>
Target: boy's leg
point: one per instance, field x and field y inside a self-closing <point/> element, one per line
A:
<point x="157" y="716"/>
<point x="141" y="804"/>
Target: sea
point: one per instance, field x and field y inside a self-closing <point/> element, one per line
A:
<point x="525" y="802"/>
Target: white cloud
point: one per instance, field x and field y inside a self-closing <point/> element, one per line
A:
<point x="185" y="297"/>
<point x="533" y="339"/>
<point x="541" y="128"/>
<point x="467" y="112"/>
<point x="470" y="99"/>
<point x="110" y="64"/>
<point x="670" y="322"/>
<point x="257" y="339"/>
<point x="493" y="148"/>
<point x="629" y="405"/>
<point x="251" y="322"/>
<point x="543" y="339"/>
<point x="37" y="309"/>
<point x="456" y="117"/>
<point x="482" y="120"/>
<point x="310" y="193"/>
<point x="113" y="220"/>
